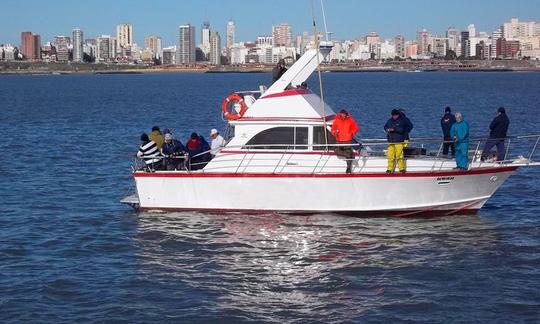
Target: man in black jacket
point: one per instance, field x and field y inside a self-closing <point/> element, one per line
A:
<point x="278" y="70"/>
<point x="447" y="120"/>
<point x="498" y="129"/>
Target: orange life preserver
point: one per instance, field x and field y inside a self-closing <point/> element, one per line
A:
<point x="233" y="97"/>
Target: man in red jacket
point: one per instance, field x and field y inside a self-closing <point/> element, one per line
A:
<point x="344" y="128"/>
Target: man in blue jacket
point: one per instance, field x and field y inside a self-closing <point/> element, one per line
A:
<point x="498" y="129"/>
<point x="173" y="150"/>
<point x="395" y="128"/>
<point x="447" y="120"/>
<point x="460" y="134"/>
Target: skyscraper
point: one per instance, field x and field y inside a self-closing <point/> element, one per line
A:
<point x="424" y="42"/>
<point x="31" y="46"/>
<point x="153" y="43"/>
<point x="205" y="39"/>
<point x="77" y="45"/>
<point x="399" y="43"/>
<point x="231" y="31"/>
<point x="472" y="30"/>
<point x="282" y="34"/>
<point x="494" y="37"/>
<point x="104" y="48"/>
<point x="124" y="37"/>
<point x="465" y="44"/>
<point x="452" y="36"/>
<point x="215" y="48"/>
<point x="186" y="42"/>
<point x="516" y="30"/>
<point x="62" y="48"/>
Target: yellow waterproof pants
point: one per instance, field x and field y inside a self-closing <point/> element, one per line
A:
<point x="395" y="152"/>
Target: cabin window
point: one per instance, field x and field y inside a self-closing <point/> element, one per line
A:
<point x="318" y="138"/>
<point x="279" y="138"/>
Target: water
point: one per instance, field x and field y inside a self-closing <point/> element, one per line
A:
<point x="70" y="252"/>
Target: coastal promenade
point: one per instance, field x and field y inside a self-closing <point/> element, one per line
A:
<point x="360" y="66"/>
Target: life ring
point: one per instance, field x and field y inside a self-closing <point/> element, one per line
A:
<point x="234" y="98"/>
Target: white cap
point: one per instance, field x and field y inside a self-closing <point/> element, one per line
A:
<point x="213" y="131"/>
<point x="168" y="136"/>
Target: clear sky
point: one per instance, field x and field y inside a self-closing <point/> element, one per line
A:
<point x="348" y="19"/>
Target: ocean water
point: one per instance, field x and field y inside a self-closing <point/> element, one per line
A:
<point x="70" y="252"/>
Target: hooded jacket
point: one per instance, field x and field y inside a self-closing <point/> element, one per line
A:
<point x="499" y="126"/>
<point x="460" y="130"/>
<point x="446" y="124"/>
<point x="344" y="129"/>
<point x="399" y="126"/>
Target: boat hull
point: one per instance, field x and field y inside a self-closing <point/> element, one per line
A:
<point x="410" y="194"/>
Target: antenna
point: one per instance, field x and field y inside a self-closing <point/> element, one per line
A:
<point x="324" y="21"/>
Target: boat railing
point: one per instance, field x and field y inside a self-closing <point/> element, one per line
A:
<point x="523" y="148"/>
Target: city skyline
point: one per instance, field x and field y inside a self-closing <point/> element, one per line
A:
<point x="347" y="19"/>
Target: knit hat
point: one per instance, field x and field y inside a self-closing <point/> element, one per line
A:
<point x="501" y="110"/>
<point x="395" y="112"/>
<point x="194" y="135"/>
<point x="447" y="110"/>
<point x="168" y="136"/>
<point x="213" y="131"/>
<point x="144" y="138"/>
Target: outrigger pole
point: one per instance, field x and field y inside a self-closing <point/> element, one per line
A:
<point x="317" y="44"/>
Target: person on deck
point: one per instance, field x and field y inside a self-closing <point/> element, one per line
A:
<point x="278" y="70"/>
<point x="460" y="134"/>
<point x="157" y="137"/>
<point x="447" y="120"/>
<point x="217" y="142"/>
<point x="149" y="152"/>
<point x="172" y="149"/>
<point x="396" y="130"/>
<point x="498" y="129"/>
<point x="408" y="127"/>
<point x="195" y="147"/>
<point x="343" y="129"/>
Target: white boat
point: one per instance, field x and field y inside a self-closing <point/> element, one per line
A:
<point x="279" y="159"/>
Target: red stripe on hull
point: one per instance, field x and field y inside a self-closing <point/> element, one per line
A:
<point x="309" y="175"/>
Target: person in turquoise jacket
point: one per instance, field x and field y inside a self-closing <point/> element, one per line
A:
<point x="460" y="134"/>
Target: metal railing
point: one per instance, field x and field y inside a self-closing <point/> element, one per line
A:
<point x="242" y="157"/>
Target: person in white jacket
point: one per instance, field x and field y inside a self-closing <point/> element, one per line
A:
<point x="217" y="142"/>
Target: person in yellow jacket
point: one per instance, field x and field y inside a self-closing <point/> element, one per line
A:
<point x="157" y="137"/>
<point x="396" y="129"/>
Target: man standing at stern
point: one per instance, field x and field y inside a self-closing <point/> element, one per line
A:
<point x="343" y="129"/>
<point x="396" y="129"/>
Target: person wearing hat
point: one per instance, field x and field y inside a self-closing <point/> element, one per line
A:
<point x="217" y="142"/>
<point x="172" y="149"/>
<point x="498" y="132"/>
<point x="343" y="129"/>
<point x="149" y="152"/>
<point x="396" y="129"/>
<point x="157" y="137"/>
<point x="447" y="120"/>
<point x="278" y="70"/>
<point x="460" y="134"/>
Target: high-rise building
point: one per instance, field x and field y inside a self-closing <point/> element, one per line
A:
<point x="282" y="35"/>
<point x="465" y="44"/>
<point x="493" y="46"/>
<point x="62" y="48"/>
<point x="30" y="46"/>
<point x="186" y="45"/>
<point x="105" y="48"/>
<point x="399" y="43"/>
<point x="472" y="30"/>
<point x="424" y="41"/>
<point x="77" y="45"/>
<point x="373" y="41"/>
<point x="231" y="31"/>
<point x="516" y="30"/>
<point x="124" y="38"/>
<point x="507" y="49"/>
<point x="169" y="55"/>
<point x="215" y="48"/>
<point x="153" y="43"/>
<point x="205" y="39"/>
<point x="452" y="39"/>
<point x="438" y="46"/>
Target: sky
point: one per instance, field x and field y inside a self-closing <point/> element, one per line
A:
<point x="347" y="19"/>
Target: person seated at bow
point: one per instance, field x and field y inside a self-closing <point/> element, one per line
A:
<point x="198" y="150"/>
<point x="174" y="151"/>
